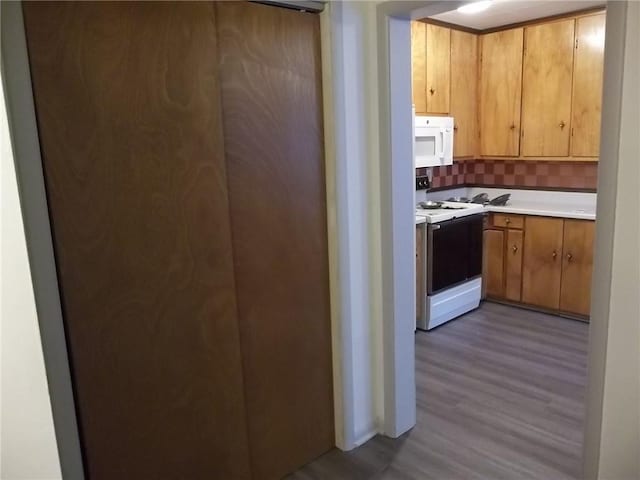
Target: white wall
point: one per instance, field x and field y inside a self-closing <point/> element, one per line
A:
<point x="350" y="92"/>
<point x="612" y="443"/>
<point x="27" y="440"/>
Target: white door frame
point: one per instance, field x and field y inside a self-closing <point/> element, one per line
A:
<point x="395" y="197"/>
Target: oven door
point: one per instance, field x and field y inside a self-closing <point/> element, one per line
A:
<point x="454" y="252"/>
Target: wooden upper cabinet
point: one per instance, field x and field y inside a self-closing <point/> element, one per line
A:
<point x="546" y="95"/>
<point x="438" y="69"/>
<point x="587" y="86"/>
<point x="419" y="66"/>
<point x="577" y="265"/>
<point x="500" y="92"/>
<point x="464" y="92"/>
<point x="542" y="262"/>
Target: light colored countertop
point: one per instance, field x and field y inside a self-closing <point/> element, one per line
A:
<point x="582" y="212"/>
<point x="576" y="205"/>
<point x="420" y="220"/>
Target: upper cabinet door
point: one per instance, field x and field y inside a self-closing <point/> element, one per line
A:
<point x="419" y="66"/>
<point x="546" y="96"/>
<point x="464" y="92"/>
<point x="587" y="86"/>
<point x="438" y="68"/>
<point x="500" y="92"/>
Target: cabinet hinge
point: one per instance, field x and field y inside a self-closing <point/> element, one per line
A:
<point x="576" y="43"/>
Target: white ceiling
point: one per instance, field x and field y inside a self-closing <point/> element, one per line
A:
<point x="506" y="12"/>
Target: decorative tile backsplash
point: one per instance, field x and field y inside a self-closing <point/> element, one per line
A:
<point x="517" y="173"/>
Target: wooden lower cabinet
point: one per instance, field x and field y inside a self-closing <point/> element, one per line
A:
<point x="539" y="261"/>
<point x="513" y="265"/>
<point x="577" y="265"/>
<point x="542" y="262"/>
<point x="493" y="266"/>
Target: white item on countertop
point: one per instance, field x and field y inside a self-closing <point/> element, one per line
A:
<point x="433" y="141"/>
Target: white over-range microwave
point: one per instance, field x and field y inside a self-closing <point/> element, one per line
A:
<point x="433" y="141"/>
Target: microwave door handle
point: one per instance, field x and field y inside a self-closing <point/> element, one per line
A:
<point x="442" y="143"/>
<point x="439" y="144"/>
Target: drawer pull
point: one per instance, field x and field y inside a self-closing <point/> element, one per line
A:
<point x="507" y="221"/>
<point x="514" y="248"/>
<point x="554" y="254"/>
<point x="569" y="257"/>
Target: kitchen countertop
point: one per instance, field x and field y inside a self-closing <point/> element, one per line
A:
<point x="522" y="207"/>
<point x="545" y="209"/>
<point x="562" y="204"/>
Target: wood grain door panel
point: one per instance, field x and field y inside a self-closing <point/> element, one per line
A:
<point x="546" y="90"/>
<point x="577" y="266"/>
<point x="493" y="260"/>
<point x="500" y="92"/>
<point x="464" y="92"/>
<point x="271" y="90"/>
<point x="513" y="267"/>
<point x="128" y="110"/>
<point x="587" y="86"/>
<point x="542" y="262"/>
<point x="419" y="66"/>
<point x="438" y="69"/>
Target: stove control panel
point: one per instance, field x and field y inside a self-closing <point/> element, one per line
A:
<point x="423" y="183"/>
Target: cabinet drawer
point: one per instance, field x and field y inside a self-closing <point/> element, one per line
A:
<point x="505" y="220"/>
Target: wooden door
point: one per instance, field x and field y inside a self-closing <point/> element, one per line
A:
<point x="577" y="266"/>
<point x="500" y="92"/>
<point x="513" y="267"/>
<point x="464" y="88"/>
<point x="438" y="69"/>
<point x="493" y="263"/>
<point x="129" y="119"/>
<point x="587" y="86"/>
<point x="421" y="289"/>
<point x="542" y="262"/>
<point x="546" y="90"/>
<point x="419" y="66"/>
<point x="272" y="103"/>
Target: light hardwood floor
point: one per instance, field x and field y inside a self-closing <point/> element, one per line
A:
<point x="501" y="395"/>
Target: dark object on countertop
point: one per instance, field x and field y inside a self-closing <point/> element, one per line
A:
<point x="458" y="199"/>
<point x="430" y="205"/>
<point x="481" y="198"/>
<point x="501" y="200"/>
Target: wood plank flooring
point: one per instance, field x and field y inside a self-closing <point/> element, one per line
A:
<point x="501" y="395"/>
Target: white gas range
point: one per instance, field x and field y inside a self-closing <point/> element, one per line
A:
<point x="453" y="247"/>
<point x="448" y="211"/>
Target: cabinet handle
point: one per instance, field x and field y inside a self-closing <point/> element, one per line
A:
<point x="507" y="221"/>
<point x="562" y="124"/>
<point x="512" y="126"/>
<point x="432" y="91"/>
<point x="455" y="128"/>
<point x="554" y="254"/>
<point x="514" y="248"/>
<point x="569" y="257"/>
